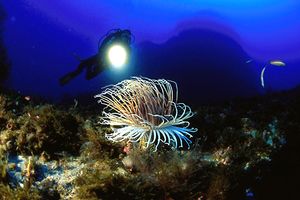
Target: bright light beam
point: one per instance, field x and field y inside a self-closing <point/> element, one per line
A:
<point x="117" y="55"/>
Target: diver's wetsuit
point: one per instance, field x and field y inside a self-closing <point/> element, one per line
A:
<point x="95" y="64"/>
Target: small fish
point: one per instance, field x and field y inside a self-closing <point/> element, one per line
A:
<point x="278" y="63"/>
<point x="249" y="61"/>
<point x="262" y="77"/>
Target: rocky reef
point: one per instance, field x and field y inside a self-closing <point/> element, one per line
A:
<point x="244" y="149"/>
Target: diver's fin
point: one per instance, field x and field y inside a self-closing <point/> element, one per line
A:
<point x="65" y="79"/>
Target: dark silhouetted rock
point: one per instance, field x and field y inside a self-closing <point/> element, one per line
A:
<point x="207" y="66"/>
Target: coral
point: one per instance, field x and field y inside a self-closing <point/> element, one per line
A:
<point x="146" y="111"/>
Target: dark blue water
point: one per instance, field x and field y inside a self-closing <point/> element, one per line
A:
<point x="202" y="46"/>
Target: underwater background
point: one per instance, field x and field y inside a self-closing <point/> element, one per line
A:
<point x="206" y="43"/>
<point x="53" y="147"/>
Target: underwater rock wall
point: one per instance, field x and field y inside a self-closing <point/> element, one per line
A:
<point x="214" y="65"/>
<point x="4" y="63"/>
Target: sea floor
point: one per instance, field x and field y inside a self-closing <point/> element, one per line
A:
<point x="244" y="149"/>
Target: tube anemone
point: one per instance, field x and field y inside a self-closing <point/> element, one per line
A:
<point x="143" y="109"/>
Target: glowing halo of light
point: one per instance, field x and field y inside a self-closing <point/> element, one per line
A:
<point x="117" y="55"/>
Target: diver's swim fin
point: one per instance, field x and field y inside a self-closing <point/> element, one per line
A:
<point x="66" y="79"/>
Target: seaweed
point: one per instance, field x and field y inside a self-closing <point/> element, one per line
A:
<point x="19" y="193"/>
<point x="96" y="146"/>
<point x="168" y="174"/>
<point x="232" y="157"/>
<point x="42" y="129"/>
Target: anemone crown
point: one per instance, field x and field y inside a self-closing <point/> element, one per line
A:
<point x="144" y="109"/>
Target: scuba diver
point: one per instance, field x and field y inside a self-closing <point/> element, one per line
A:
<point x="97" y="63"/>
